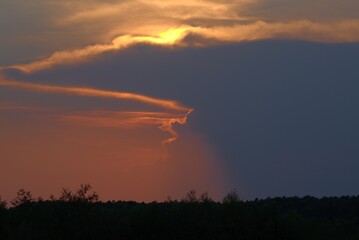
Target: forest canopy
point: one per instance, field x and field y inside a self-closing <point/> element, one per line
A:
<point x="80" y="215"/>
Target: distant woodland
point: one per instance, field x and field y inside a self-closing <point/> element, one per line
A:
<point x="80" y="215"/>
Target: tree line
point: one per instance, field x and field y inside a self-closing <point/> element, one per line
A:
<point x="80" y="215"/>
<point x="85" y="194"/>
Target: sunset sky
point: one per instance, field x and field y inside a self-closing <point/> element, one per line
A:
<point x="145" y="99"/>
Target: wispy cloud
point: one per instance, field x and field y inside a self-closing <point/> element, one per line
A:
<point x="167" y="38"/>
<point x="129" y="120"/>
<point x="345" y="31"/>
<point x="177" y="113"/>
<point x="122" y="24"/>
<point x="17" y="107"/>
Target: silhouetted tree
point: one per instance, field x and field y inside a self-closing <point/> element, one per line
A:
<point x="66" y="195"/>
<point x="83" y="194"/>
<point x="3" y="203"/>
<point x="231" y="197"/>
<point x="170" y="200"/>
<point x="52" y="198"/>
<point x="191" y="196"/>
<point x="22" y="197"/>
<point x="268" y="219"/>
<point x="205" y="198"/>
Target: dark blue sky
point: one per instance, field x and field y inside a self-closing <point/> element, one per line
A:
<point x="283" y="115"/>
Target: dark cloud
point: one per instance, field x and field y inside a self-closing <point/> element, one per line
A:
<point x="289" y="10"/>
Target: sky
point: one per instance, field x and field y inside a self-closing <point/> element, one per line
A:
<point x="149" y="99"/>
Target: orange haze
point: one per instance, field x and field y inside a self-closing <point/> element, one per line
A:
<point x="42" y="154"/>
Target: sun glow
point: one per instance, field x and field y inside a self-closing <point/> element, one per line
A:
<point x="173" y="36"/>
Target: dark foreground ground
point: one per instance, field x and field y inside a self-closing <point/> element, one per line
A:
<point x="279" y="218"/>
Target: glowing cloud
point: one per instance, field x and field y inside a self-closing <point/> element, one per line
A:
<point x="98" y="26"/>
<point x="166" y="38"/>
<point x="164" y="121"/>
<point x="330" y="32"/>
<point x="345" y="31"/>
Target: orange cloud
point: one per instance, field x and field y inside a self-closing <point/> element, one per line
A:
<point x="162" y="120"/>
<point x="92" y="92"/>
<point x="11" y="106"/>
<point x="330" y="32"/>
<point x="170" y="10"/>
<point x="344" y="31"/>
<point x="75" y="32"/>
<point x="166" y="38"/>
<point x="165" y="121"/>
